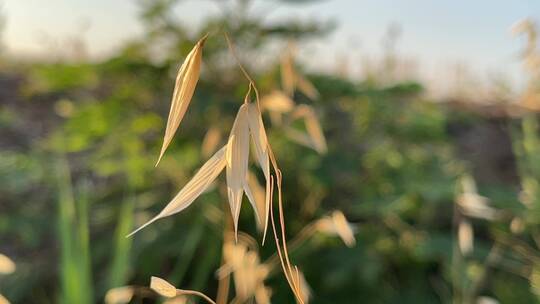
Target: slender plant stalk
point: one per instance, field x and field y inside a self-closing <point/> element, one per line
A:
<point x="195" y="293"/>
<point x="74" y="243"/>
<point x="303" y="236"/>
<point x="122" y="245"/>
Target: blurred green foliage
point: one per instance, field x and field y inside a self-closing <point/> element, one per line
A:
<point x="79" y="143"/>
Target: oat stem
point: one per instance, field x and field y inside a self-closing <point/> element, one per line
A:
<point x="195" y="293"/>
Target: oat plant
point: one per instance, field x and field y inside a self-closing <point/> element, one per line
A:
<point x="233" y="158"/>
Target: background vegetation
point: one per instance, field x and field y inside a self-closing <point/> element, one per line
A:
<point x="78" y="143"/>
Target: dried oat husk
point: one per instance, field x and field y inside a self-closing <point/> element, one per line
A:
<point x="186" y="81"/>
<point x="195" y="187"/>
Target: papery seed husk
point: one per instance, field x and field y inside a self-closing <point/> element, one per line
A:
<point x="237" y="155"/>
<point x="313" y="127"/>
<point x="465" y="237"/>
<point x="162" y="287"/>
<point x="305" y="289"/>
<point x="300" y="137"/>
<point x="186" y="81"/>
<point x="3" y="300"/>
<point x="288" y="77"/>
<point x="262" y="295"/>
<point x="277" y="101"/>
<point x="343" y="228"/>
<point x="260" y="141"/>
<point x="7" y="266"/>
<point x="256" y="196"/>
<point x="176" y="300"/>
<point x="200" y="181"/>
<point x="119" y="295"/>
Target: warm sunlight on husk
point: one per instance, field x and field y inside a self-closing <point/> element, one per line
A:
<point x="237" y="156"/>
<point x="186" y="81"/>
<point x="162" y="287"/>
<point x="119" y="295"/>
<point x="195" y="187"/>
<point x="7" y="266"/>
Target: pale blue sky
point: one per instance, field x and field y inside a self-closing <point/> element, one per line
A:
<point x="437" y="33"/>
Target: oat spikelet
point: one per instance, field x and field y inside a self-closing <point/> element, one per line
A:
<point x="291" y="79"/>
<point x="300" y="137"/>
<point x="288" y="77"/>
<point x="237" y="155"/>
<point x="305" y="289"/>
<point x="3" y="300"/>
<point x="256" y="197"/>
<point x="465" y="237"/>
<point x="260" y="141"/>
<point x="315" y="131"/>
<point x="202" y="179"/>
<point x="176" y="300"/>
<point x="167" y="290"/>
<point x="337" y="224"/>
<point x="343" y="228"/>
<point x="162" y="287"/>
<point x="247" y="271"/>
<point x="119" y="295"/>
<point x="186" y="80"/>
<point x="277" y="101"/>
<point x="306" y="87"/>
<point x="313" y="128"/>
<point x="7" y="266"/>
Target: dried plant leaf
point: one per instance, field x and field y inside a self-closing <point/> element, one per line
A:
<point x="237" y="155"/>
<point x="119" y="295"/>
<point x="202" y="179"/>
<point x="278" y="102"/>
<point x="186" y="80"/>
<point x="7" y="266"/>
<point x="162" y="287"/>
<point x="211" y="140"/>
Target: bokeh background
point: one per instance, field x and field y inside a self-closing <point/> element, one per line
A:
<point x="428" y="109"/>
